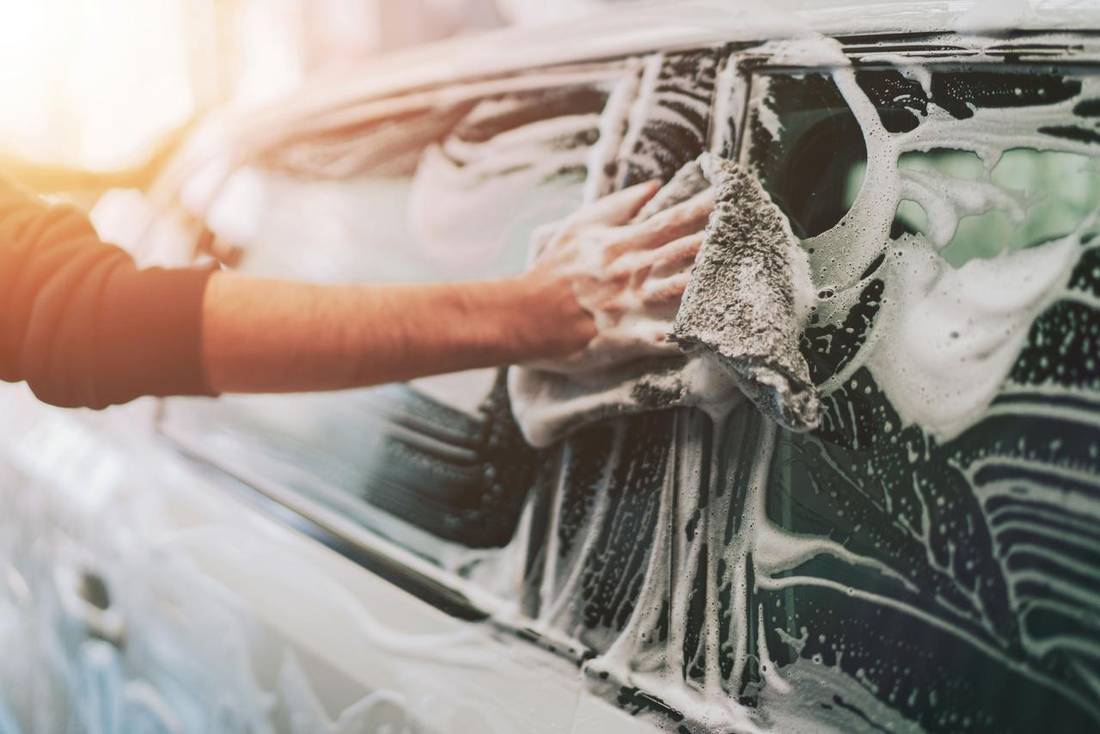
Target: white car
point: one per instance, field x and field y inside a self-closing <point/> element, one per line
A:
<point x="399" y="560"/>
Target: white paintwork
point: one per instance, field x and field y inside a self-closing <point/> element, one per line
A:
<point x="594" y="716"/>
<point x="644" y="27"/>
<point x="203" y="584"/>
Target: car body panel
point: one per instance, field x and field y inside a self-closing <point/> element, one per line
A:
<point x="674" y="25"/>
<point x="216" y="604"/>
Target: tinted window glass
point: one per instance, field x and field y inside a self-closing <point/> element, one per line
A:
<point x="954" y="487"/>
<point x="604" y="490"/>
<point x="1041" y="195"/>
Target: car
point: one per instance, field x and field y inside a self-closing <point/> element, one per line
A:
<point x="399" y="559"/>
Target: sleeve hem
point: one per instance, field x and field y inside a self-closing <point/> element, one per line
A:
<point x="149" y="339"/>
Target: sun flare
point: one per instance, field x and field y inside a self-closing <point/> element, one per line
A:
<point x="91" y="83"/>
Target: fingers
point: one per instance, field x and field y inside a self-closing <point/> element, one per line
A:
<point x="653" y="278"/>
<point x="665" y="291"/>
<point x="677" y="255"/>
<point x="540" y="238"/>
<point x="655" y="342"/>
<point x="646" y="337"/>
<point x="615" y="210"/>
<point x="683" y="219"/>
<point x="686" y="218"/>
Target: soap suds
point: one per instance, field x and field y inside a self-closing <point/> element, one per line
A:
<point x="461" y="185"/>
<point x="945" y="338"/>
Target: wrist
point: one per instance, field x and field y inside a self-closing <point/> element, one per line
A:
<point x="546" y="320"/>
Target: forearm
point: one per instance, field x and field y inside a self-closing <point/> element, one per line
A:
<point x="276" y="336"/>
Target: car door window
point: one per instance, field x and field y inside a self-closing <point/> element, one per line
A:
<point x="925" y="560"/>
<point x="437" y="465"/>
<point x="601" y="489"/>
<point x="954" y="484"/>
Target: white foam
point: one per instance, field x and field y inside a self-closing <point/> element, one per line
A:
<point x="945" y="338"/>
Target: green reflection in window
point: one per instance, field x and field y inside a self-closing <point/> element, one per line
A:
<point x="1058" y="190"/>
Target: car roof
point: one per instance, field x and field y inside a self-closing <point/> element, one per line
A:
<point x="625" y="30"/>
<point x="676" y="24"/>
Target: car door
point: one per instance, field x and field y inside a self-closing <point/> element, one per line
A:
<point x="900" y="567"/>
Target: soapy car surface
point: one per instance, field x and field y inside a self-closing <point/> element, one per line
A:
<point x="924" y="560"/>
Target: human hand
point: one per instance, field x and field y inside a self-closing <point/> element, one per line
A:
<point x="626" y="277"/>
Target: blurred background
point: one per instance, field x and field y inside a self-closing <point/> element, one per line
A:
<point x="67" y="66"/>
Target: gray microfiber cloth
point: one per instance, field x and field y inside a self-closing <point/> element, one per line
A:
<point x="749" y="297"/>
<point x="738" y="325"/>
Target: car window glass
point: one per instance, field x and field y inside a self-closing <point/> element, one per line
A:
<point x="922" y="560"/>
<point x="952" y="490"/>
<point x="808" y="149"/>
<point x="437" y="464"/>
<point x="1042" y="195"/>
<point x="600" y="522"/>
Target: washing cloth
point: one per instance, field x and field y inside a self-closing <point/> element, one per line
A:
<point x="749" y="297"/>
<point x="736" y="266"/>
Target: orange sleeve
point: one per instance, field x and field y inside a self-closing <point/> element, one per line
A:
<point x="80" y="323"/>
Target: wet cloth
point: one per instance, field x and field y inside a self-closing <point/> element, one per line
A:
<point x="80" y="322"/>
<point x="738" y="324"/>
<point x="749" y="297"/>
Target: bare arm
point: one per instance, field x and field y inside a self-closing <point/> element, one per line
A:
<point x="279" y="336"/>
<point x="594" y="271"/>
